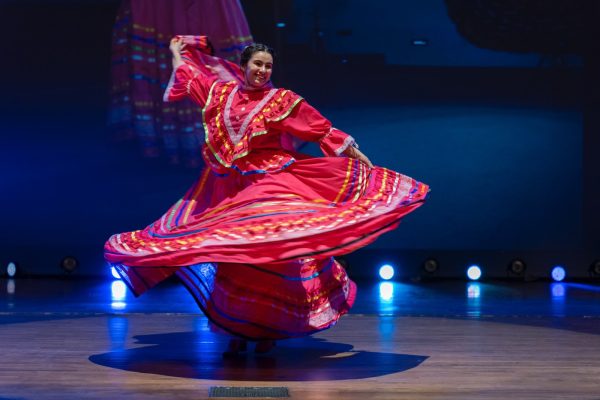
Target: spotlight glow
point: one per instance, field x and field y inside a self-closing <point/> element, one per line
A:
<point x="386" y="272"/>
<point x="558" y="273"/>
<point x="118" y="305"/>
<point x="11" y="269"/>
<point x="558" y="290"/>
<point x="473" y="291"/>
<point x="118" y="290"/>
<point x="386" y="291"/>
<point x="114" y="273"/>
<point x="10" y="286"/>
<point x="474" y="272"/>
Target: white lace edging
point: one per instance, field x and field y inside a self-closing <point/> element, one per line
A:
<point x="349" y="141"/>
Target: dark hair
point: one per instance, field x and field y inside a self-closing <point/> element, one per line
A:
<point x="255" y="48"/>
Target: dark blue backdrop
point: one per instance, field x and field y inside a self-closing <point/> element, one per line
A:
<point x="501" y="148"/>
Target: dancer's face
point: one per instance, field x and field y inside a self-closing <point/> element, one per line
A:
<point x="257" y="72"/>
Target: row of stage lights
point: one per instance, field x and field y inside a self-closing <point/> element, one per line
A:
<point x="118" y="289"/>
<point x="13" y="269"/>
<point x="67" y="264"/>
<point x="474" y="272"/>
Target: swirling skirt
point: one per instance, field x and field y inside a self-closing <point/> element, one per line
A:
<point x="256" y="250"/>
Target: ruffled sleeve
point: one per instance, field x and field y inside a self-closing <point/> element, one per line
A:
<point x="186" y="80"/>
<point x="200" y="70"/>
<point x="306" y="123"/>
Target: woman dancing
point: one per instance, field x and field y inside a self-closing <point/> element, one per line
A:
<point x="253" y="239"/>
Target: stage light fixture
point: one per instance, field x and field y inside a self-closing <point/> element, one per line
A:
<point x="558" y="273"/>
<point x="595" y="269"/>
<point x="12" y="269"/>
<point x="516" y="267"/>
<point x="431" y="266"/>
<point x="474" y="272"/>
<point x="386" y="272"/>
<point x="69" y="264"/>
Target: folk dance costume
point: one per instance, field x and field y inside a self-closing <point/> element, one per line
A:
<point x="253" y="239"/>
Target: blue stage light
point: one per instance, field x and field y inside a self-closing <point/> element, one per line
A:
<point x="386" y="291"/>
<point x="118" y="290"/>
<point x="118" y="305"/>
<point x="114" y="273"/>
<point x="11" y="269"/>
<point x="280" y="24"/>
<point x="474" y="272"/>
<point x="558" y="273"/>
<point x="386" y="272"/>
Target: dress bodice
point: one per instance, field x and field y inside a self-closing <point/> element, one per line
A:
<point x="244" y="129"/>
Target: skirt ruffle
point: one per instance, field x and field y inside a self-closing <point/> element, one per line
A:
<point x="256" y="250"/>
<point x="258" y="302"/>
<point x="317" y="207"/>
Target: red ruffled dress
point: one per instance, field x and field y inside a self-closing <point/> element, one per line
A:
<point x="253" y="239"/>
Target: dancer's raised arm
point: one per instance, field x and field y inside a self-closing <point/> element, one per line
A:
<point x="192" y="74"/>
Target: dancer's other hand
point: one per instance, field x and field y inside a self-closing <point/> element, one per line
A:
<point x="353" y="152"/>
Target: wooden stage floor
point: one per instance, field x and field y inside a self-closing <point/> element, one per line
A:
<point x="61" y="340"/>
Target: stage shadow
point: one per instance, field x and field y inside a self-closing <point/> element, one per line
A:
<point x="189" y="355"/>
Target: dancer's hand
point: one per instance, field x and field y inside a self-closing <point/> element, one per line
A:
<point x="176" y="46"/>
<point x="353" y="152"/>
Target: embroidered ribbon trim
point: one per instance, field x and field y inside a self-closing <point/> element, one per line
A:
<point x="237" y="136"/>
<point x="206" y="129"/>
<point x="289" y="110"/>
